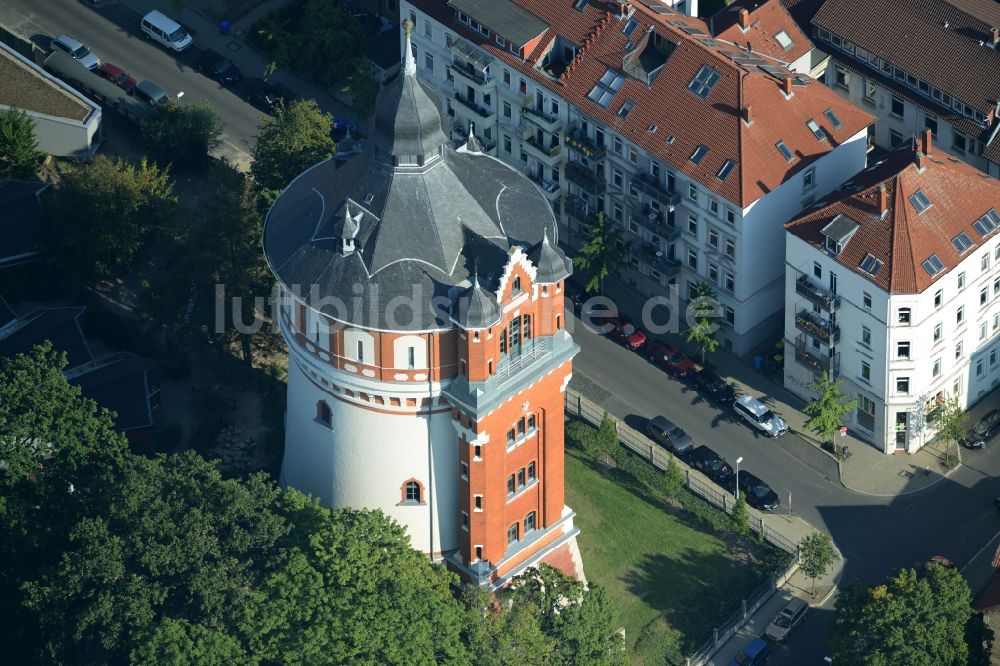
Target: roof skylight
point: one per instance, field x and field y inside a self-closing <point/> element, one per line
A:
<point x="699" y="153"/>
<point x="933" y="265"/>
<point x="987" y="223"/>
<point x="727" y="166"/>
<point x="871" y="265"/>
<point x="816" y="129"/>
<point x="626" y="107"/>
<point x="920" y="201"/>
<point x="630" y="27"/>
<point x="606" y="88"/>
<point x="832" y="117"/>
<point x="704" y="81"/>
<point x="784" y="40"/>
<point x="962" y="242"/>
<point x="785" y="152"/>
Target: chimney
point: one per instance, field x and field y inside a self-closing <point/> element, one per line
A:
<point x="927" y="141"/>
<point x="921" y="162"/>
<point x="786" y="85"/>
<point x="883" y="200"/>
<point x="996" y="36"/>
<point x="744" y="19"/>
<point x="747" y="118"/>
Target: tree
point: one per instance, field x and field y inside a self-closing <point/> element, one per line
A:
<point x="605" y="440"/>
<point x="740" y="518"/>
<point x="703" y="319"/>
<point x="673" y="479"/>
<point x="363" y="87"/>
<point x="296" y="138"/>
<point x="602" y="255"/>
<point x="102" y="214"/>
<point x="179" y="642"/>
<point x="912" y="618"/>
<point x="979" y="638"/>
<point x="816" y="556"/>
<point x="827" y="411"/>
<point x="183" y="135"/>
<point x="19" y="154"/>
<point x="952" y="422"/>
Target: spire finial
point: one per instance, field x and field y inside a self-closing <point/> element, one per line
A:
<point x="545" y="235"/>
<point x="409" y="63"/>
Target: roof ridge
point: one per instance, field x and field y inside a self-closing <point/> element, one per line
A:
<point x="901" y="233"/>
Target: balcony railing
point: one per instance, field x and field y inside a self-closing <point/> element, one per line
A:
<point x="816" y="362"/>
<point x="654" y="221"/>
<point x="657" y="259"/>
<point x="542" y="119"/>
<point x="585" y="179"/>
<point x="466" y="71"/>
<point x="577" y="208"/>
<point x="578" y="141"/>
<point x="551" y="188"/>
<point x="823" y="330"/>
<point x="548" y="154"/>
<point x="653" y="188"/>
<point x="481" y="111"/>
<point x="817" y="295"/>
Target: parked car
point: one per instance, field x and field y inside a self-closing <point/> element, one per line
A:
<point x="671" y="360"/>
<point x="626" y="333"/>
<point x="217" y="66"/>
<point x="787" y="619"/>
<point x="986" y="429"/>
<point x="756" y="653"/>
<point x="77" y="51"/>
<point x="715" y="388"/>
<point x="117" y="76"/>
<point x="165" y="31"/>
<point x="711" y="464"/>
<point x="576" y="293"/>
<point x="760" y="417"/>
<point x="670" y="435"/>
<point x="757" y="493"/>
<point x="150" y="93"/>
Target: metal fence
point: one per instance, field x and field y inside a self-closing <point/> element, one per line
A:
<point x="733" y="623"/>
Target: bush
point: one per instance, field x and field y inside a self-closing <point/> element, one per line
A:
<point x="183" y="135"/>
<point x="19" y="154"/>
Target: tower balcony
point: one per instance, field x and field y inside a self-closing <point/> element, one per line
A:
<point x="549" y="155"/>
<point x="814" y="360"/>
<point x="481" y="111"/>
<point x="585" y="179"/>
<point x="578" y="141"/>
<point x="654" y="189"/>
<point x="826" y="300"/>
<point x="822" y="329"/>
<point x="538" y="117"/>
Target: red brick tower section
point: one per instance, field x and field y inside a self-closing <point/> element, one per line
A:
<point x="509" y="405"/>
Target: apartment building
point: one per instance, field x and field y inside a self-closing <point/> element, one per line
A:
<point x="893" y="287"/>
<point x="928" y="65"/>
<point x="699" y="148"/>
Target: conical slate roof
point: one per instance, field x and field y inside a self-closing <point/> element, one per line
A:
<point x="551" y="263"/>
<point x="476" y="307"/>
<point x="419" y="226"/>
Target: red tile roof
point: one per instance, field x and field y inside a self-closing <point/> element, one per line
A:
<point x="903" y="239"/>
<point x="668" y="105"/>
<point x="766" y="19"/>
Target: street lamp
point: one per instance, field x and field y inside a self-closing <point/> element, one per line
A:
<point x="736" y="492"/>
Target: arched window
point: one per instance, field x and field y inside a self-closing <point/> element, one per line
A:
<point x="514" y="533"/>
<point x="324" y="414"/>
<point x="529" y="522"/>
<point x="413" y="492"/>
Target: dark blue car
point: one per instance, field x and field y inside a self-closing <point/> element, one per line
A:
<point x="756" y="653"/>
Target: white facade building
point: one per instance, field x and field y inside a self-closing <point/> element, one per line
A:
<point x="901" y="306"/>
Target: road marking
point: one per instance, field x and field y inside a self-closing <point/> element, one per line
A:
<point x="979" y="552"/>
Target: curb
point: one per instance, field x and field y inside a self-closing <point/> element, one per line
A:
<point x="915" y="491"/>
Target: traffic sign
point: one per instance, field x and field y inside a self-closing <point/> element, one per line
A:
<point x="843" y="431"/>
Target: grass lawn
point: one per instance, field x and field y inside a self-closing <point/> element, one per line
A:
<point x="670" y="582"/>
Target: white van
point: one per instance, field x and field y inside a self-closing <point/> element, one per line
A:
<point x="165" y="31"/>
<point x="759" y="416"/>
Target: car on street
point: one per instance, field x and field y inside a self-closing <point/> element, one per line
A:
<point x="711" y="464"/>
<point x="625" y="333"/>
<point x="217" y="66"/>
<point x="757" y="493"/>
<point x="117" y="76"/>
<point x="714" y="387"/>
<point x="787" y="619"/>
<point x="664" y="431"/>
<point x="758" y="416"/>
<point x="150" y="93"/>
<point x="77" y="51"/>
<point x="756" y="653"/>
<point x="986" y="429"/>
<point x="165" y="31"/>
<point x="671" y="360"/>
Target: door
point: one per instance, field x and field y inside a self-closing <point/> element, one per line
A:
<point x="514" y="336"/>
<point x="902" y="428"/>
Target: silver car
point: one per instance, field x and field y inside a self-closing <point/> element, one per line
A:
<point x="786" y="620"/>
<point x="77" y="51"/>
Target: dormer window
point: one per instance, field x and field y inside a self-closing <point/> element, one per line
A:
<point x="832" y="245"/>
<point x="837" y="234"/>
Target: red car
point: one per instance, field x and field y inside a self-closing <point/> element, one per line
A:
<point x="117" y="76"/>
<point x="626" y="333"/>
<point x="671" y="360"/>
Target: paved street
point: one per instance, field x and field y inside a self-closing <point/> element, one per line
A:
<point x="876" y="534"/>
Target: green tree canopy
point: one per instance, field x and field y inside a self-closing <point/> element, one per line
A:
<point x="602" y="255"/>
<point x="19" y="154"/>
<point x="183" y="135"/>
<point x="952" y="420"/>
<point x="703" y="319"/>
<point x="102" y="214"/>
<point x="827" y="411"/>
<point x="740" y="517"/>
<point x="816" y="555"/>
<point x="296" y="138"/>
<point x="918" y="619"/>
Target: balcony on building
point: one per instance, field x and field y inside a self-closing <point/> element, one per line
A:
<point x="654" y="189"/>
<point x="821" y="328"/>
<point x="534" y="114"/>
<point x="578" y="208"/>
<point x="470" y="104"/>
<point x="471" y="65"/>
<point x="550" y="188"/>
<point x="585" y="179"/>
<point x="655" y="221"/>
<point x="549" y="153"/>
<point x="651" y="254"/>
<point x="815" y="360"/>
<point x="577" y="140"/>
<point x="557" y="59"/>
<point x="824" y="299"/>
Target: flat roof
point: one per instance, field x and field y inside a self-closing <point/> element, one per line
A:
<point x="28" y="87"/>
<point x="503" y="17"/>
